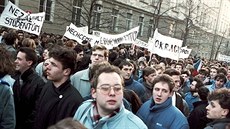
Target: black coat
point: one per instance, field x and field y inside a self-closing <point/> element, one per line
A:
<point x="56" y="104"/>
<point x="197" y="118"/>
<point x="25" y="96"/>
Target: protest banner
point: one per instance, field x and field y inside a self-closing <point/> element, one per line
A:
<point x="140" y="43"/>
<point x="221" y="57"/>
<point x="78" y="34"/>
<point x="14" y="17"/>
<point x="164" y="46"/>
<point x="184" y="52"/>
<point x="127" y="37"/>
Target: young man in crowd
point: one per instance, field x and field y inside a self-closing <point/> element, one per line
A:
<point x="106" y="110"/>
<point x="26" y="88"/>
<point x="158" y="112"/>
<point x="197" y="119"/>
<point x="58" y="99"/>
<point x="126" y="67"/>
<point x="80" y="80"/>
<point x="177" y="99"/>
<point x="220" y="80"/>
<point x="149" y="74"/>
<point x="192" y="96"/>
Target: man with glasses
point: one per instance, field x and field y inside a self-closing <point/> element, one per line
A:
<point x="80" y="80"/>
<point x="106" y="110"/>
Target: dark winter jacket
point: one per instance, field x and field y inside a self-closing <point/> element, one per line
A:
<point x="56" y="104"/>
<point x="197" y="118"/>
<point x="218" y="124"/>
<point x="27" y="89"/>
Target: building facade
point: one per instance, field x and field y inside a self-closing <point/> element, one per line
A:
<point x="203" y="25"/>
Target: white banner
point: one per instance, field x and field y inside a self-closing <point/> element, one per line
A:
<point x="14" y="17"/>
<point x="184" y="52"/>
<point x="140" y="43"/>
<point x="78" y="34"/>
<point x="221" y="57"/>
<point x="127" y="37"/>
<point x="165" y="46"/>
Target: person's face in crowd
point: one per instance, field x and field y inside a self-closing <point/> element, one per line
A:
<point x="21" y="63"/>
<point x="127" y="71"/>
<point x="55" y="71"/>
<point x="45" y="54"/>
<point x="109" y="93"/>
<point x="141" y="66"/>
<point x="149" y="79"/>
<point x="178" y="67"/>
<point x="172" y="66"/>
<point x="21" y="36"/>
<point x="201" y="76"/>
<point x="219" y="83"/>
<point x="215" y="111"/>
<point x="161" y="92"/>
<point x="159" y="71"/>
<point x="97" y="56"/>
<point x="193" y="86"/>
<point x="176" y="79"/>
<point x="213" y="73"/>
<point x="185" y="77"/>
<point x="80" y="56"/>
<point x="131" y="51"/>
<point x="162" y="64"/>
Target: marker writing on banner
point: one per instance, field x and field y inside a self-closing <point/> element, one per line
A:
<point x="166" y="46"/>
<point x="16" y="12"/>
<point x="79" y="35"/>
<point x="21" y="24"/>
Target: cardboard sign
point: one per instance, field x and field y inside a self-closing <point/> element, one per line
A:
<point x="14" y="17"/>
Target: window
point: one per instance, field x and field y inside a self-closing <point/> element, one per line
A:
<point x="129" y="21"/>
<point x="76" y="15"/>
<point x="3" y="4"/>
<point x="114" y="19"/>
<point x="141" y="25"/>
<point x="150" y="28"/>
<point x="97" y="16"/>
<point x="47" y="6"/>
<point x="154" y="3"/>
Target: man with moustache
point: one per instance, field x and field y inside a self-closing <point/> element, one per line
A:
<point x="158" y="112"/>
<point x="106" y="110"/>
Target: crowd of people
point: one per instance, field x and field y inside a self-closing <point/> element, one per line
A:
<point x="51" y="82"/>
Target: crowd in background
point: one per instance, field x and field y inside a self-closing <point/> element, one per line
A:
<point x="49" y="78"/>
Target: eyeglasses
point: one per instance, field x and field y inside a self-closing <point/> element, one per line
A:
<point x="99" y="55"/>
<point x="106" y="89"/>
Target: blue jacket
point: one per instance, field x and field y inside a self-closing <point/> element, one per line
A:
<point x="190" y="100"/>
<point x="212" y="87"/>
<point x="7" y="109"/>
<point x="123" y="120"/>
<point x="163" y="116"/>
<point x="80" y="80"/>
<point x="137" y="87"/>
